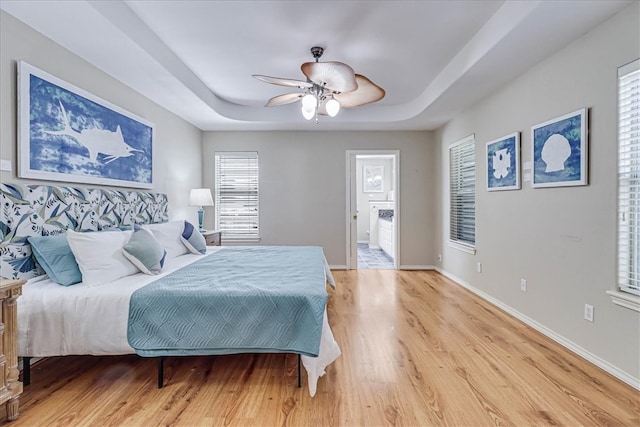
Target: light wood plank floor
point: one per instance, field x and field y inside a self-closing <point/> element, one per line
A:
<point x="417" y="350"/>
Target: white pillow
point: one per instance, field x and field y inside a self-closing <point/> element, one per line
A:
<point x="99" y="255"/>
<point x="169" y="234"/>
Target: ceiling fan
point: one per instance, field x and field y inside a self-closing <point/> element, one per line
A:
<point x="329" y="86"/>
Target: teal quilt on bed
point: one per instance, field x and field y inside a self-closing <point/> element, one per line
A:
<point x="236" y="300"/>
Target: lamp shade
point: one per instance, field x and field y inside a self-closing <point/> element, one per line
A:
<point x="200" y="197"/>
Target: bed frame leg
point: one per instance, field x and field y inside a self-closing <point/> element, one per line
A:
<point x="26" y="371"/>
<point x="299" y="377"/>
<point x="160" y="372"/>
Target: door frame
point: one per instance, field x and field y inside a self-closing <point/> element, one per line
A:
<point x="351" y="205"/>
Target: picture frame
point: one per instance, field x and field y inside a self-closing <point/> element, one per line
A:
<point x="559" y="151"/>
<point x="373" y="178"/>
<point x="67" y="134"/>
<point x="503" y="163"/>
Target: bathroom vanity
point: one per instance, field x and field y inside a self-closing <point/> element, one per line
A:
<point x="385" y="231"/>
<point x="381" y="226"/>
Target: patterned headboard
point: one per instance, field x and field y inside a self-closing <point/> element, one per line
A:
<point x="39" y="210"/>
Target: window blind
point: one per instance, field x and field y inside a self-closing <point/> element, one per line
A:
<point x="462" y="192"/>
<point x="629" y="177"/>
<point x="236" y="192"/>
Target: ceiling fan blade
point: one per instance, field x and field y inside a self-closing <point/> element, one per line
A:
<point x="283" y="82"/>
<point x="366" y="93"/>
<point x="335" y="76"/>
<point x="287" y="98"/>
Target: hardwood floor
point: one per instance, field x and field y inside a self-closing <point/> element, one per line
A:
<point x="417" y="350"/>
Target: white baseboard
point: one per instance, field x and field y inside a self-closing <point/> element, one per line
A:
<point x="402" y="267"/>
<point x="363" y="241"/>
<point x="416" y="267"/>
<point x="570" y="345"/>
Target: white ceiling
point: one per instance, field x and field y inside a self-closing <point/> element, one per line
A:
<point x="196" y="58"/>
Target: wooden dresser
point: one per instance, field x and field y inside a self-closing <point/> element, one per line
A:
<point x="10" y="387"/>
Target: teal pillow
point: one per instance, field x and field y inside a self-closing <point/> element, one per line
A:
<point x="144" y="251"/>
<point x="56" y="259"/>
<point x="193" y="239"/>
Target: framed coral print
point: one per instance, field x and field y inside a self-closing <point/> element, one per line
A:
<point x="503" y="163"/>
<point x="68" y="134"/>
<point x="560" y="151"/>
<point x="373" y="179"/>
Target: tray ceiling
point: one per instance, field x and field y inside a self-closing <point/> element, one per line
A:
<point x="196" y="58"/>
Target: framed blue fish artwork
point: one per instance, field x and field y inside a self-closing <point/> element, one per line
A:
<point x="68" y="134"/>
<point x="503" y="163"/>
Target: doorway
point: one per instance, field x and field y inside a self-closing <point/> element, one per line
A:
<point x="373" y="217"/>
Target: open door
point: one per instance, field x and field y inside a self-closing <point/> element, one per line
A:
<point x="356" y="213"/>
<point x="352" y="214"/>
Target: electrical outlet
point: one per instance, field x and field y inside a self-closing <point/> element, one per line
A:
<point x="479" y="266"/>
<point x="523" y="285"/>
<point x="439" y="257"/>
<point x="588" y="312"/>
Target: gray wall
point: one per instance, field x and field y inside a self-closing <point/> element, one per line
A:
<point x="303" y="186"/>
<point x="562" y="240"/>
<point x="178" y="145"/>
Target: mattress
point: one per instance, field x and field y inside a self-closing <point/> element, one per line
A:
<point x="55" y="320"/>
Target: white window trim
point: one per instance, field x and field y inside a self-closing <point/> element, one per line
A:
<point x="624" y="297"/>
<point x="462" y="247"/>
<point x="243" y="240"/>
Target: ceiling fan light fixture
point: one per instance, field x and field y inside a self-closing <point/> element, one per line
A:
<point x="333" y="107"/>
<point x="308" y="114"/>
<point x="330" y="86"/>
<point x="309" y="102"/>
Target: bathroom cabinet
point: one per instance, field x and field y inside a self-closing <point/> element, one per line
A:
<point x="374" y="207"/>
<point x="385" y="236"/>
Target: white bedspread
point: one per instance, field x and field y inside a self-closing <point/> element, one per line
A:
<point x="55" y="320"/>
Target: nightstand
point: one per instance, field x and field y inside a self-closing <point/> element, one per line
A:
<point x="10" y="386"/>
<point x="213" y="237"/>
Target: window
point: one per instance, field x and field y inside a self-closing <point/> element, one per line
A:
<point x="629" y="178"/>
<point x="462" y="192"/>
<point x="236" y="201"/>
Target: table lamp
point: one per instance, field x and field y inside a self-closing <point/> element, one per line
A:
<point x="200" y="197"/>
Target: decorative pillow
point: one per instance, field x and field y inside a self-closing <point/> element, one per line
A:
<point x="56" y="259"/>
<point x="99" y="255"/>
<point x="169" y="235"/>
<point x="193" y="239"/>
<point x="144" y="251"/>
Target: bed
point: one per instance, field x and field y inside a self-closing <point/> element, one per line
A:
<point x="247" y="299"/>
